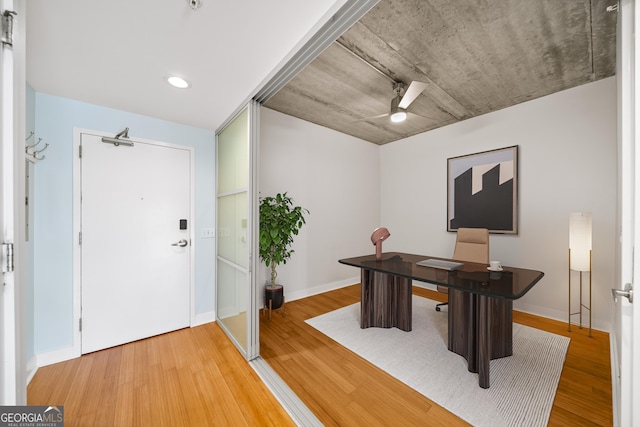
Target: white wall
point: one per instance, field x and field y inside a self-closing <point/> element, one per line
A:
<point x="567" y="163"/>
<point x="336" y="177"/>
<point x="52" y="231"/>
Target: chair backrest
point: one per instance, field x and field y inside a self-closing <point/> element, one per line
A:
<point x="472" y="245"/>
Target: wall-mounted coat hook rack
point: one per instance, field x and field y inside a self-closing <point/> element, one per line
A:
<point x="30" y="150"/>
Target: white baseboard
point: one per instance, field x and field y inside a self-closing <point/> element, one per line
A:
<point x="32" y="368"/>
<point x="56" y="356"/>
<point x="560" y="316"/>
<point x="209" y="317"/>
<point x="69" y="353"/>
<point x="201" y="319"/>
<point x="292" y="296"/>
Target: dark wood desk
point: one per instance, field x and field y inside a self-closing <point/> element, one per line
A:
<point x="480" y="302"/>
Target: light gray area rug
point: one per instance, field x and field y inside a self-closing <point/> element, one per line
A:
<point x="523" y="386"/>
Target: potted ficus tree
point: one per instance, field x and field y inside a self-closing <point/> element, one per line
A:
<point x="279" y="222"/>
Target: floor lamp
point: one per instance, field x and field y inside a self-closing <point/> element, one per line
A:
<point x="580" y="257"/>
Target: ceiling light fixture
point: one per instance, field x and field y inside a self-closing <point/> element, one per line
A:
<point x="398" y="116"/>
<point x="178" y="82"/>
<point x="397" y="113"/>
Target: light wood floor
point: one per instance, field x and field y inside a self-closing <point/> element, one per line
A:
<point x="196" y="377"/>
<point x="344" y="390"/>
<point x="192" y="377"/>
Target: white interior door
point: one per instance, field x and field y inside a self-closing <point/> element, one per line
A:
<point x="135" y="241"/>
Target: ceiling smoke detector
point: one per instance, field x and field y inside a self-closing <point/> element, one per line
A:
<point x="194" y="4"/>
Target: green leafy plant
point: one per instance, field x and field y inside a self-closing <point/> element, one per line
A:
<point x="279" y="222"/>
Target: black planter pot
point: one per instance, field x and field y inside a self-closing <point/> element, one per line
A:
<point x="273" y="294"/>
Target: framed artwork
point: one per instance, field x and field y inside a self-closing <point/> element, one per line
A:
<point x="482" y="191"/>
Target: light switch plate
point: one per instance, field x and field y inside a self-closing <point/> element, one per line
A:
<point x="208" y="233"/>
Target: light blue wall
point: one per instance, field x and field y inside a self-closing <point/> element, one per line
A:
<point x="55" y="119"/>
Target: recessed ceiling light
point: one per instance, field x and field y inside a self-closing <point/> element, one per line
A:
<point x="178" y="82"/>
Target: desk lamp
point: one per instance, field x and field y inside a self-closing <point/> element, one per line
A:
<point x="580" y="256"/>
<point x="378" y="236"/>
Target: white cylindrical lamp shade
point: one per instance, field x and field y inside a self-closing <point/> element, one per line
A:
<point x="580" y="241"/>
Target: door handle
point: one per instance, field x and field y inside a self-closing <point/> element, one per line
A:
<point x="182" y="243"/>
<point x="627" y="292"/>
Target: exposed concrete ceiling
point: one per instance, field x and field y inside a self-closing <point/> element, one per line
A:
<point x="474" y="56"/>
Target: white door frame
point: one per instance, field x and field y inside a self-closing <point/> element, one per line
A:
<point x="631" y="391"/>
<point x="13" y="388"/>
<point x="625" y="335"/>
<point x="77" y="228"/>
<point x="12" y="352"/>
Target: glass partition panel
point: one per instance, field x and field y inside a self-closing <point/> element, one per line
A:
<point x="231" y="302"/>
<point x="234" y="297"/>
<point x="232" y="229"/>
<point x="233" y="155"/>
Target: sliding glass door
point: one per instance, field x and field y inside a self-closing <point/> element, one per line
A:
<point x="236" y="202"/>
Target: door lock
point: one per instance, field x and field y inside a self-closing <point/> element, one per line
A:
<point x="627" y="292"/>
<point x="182" y="243"/>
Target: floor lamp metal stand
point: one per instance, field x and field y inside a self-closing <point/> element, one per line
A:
<point x="582" y="306"/>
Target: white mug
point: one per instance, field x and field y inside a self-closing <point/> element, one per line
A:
<point x="495" y="265"/>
